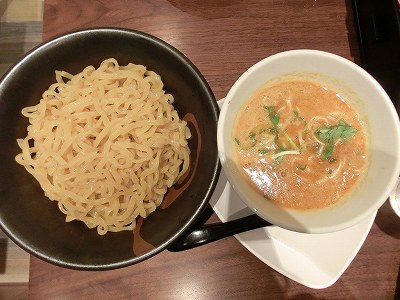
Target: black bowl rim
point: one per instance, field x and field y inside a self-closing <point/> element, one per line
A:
<point x="215" y="174"/>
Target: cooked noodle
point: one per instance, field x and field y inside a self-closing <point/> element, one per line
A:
<point x="106" y="144"/>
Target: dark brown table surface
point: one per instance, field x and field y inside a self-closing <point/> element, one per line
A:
<point x="223" y="39"/>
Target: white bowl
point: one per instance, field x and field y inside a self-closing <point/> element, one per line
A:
<point x="384" y="148"/>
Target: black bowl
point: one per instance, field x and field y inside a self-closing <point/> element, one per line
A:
<point x="34" y="222"/>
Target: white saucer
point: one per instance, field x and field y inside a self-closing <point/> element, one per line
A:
<point x="395" y="198"/>
<point x="314" y="260"/>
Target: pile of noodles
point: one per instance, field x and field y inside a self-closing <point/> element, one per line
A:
<point x="106" y="144"/>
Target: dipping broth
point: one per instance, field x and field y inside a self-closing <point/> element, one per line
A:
<point x="300" y="144"/>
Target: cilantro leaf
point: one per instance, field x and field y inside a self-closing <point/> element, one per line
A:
<point x="247" y="145"/>
<point x="296" y="117"/>
<point x="348" y="133"/>
<point x="331" y="134"/>
<point x="269" y="108"/>
<point x="274" y="118"/>
<point x="263" y="151"/>
<point x="328" y="152"/>
<point x="252" y="136"/>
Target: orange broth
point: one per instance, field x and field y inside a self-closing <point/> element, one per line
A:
<point x="300" y="144"/>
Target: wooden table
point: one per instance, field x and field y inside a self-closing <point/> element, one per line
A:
<point x="223" y="39"/>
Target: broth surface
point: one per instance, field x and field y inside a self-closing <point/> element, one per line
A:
<point x="300" y="144"/>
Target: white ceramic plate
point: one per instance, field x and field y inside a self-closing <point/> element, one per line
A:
<point x="314" y="260"/>
<point x="395" y="198"/>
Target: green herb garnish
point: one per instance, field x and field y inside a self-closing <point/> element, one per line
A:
<point x="331" y="134"/>
<point x="328" y="151"/>
<point x="263" y="151"/>
<point x="247" y="145"/>
<point x="252" y="136"/>
<point x="274" y="118"/>
<point x="297" y="116"/>
<point x="270" y="108"/>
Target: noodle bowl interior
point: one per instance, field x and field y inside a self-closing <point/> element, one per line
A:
<point x="300" y="144"/>
<point x="106" y="144"/>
